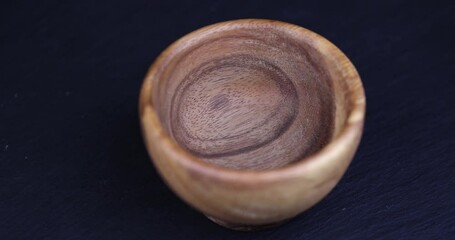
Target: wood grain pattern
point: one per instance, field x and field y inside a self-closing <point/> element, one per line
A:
<point x="249" y="99"/>
<point x="252" y="121"/>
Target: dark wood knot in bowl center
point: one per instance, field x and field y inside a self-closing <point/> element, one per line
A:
<point x="248" y="99"/>
<point x="232" y="105"/>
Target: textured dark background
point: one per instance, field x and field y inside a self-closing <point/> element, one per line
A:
<point x="72" y="161"/>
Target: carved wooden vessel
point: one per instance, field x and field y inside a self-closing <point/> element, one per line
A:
<point x="252" y="121"/>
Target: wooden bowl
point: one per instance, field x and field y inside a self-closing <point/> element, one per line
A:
<point x="252" y="121"/>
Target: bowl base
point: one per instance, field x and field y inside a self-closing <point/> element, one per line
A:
<point x="243" y="227"/>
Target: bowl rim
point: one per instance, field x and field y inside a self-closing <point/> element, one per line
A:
<point x="347" y="136"/>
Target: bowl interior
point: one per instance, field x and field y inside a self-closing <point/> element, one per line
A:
<point x="247" y="96"/>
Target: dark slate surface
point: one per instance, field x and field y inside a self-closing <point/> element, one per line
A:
<point x="72" y="162"/>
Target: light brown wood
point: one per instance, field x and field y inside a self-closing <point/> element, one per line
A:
<point x="252" y="121"/>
